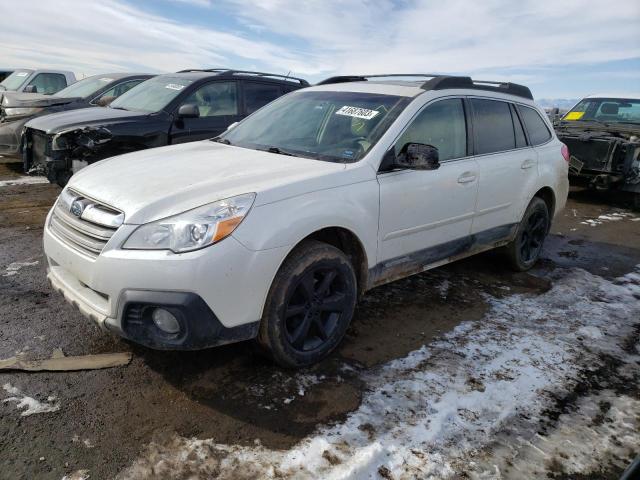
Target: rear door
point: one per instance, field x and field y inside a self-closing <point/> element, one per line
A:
<point x="426" y="216"/>
<point x="218" y="104"/>
<point x="507" y="166"/>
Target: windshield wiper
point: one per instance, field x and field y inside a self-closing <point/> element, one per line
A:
<point x="221" y="140"/>
<point x="279" y="151"/>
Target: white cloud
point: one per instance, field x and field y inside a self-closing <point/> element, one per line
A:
<point x="318" y="38"/>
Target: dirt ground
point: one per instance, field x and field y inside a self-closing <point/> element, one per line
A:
<point x="107" y="417"/>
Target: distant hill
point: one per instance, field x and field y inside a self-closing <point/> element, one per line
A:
<point x="561" y="103"/>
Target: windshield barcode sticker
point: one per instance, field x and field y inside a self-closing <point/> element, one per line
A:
<point x="357" y="112"/>
<point x="22" y="74"/>
<point x="105" y="79"/>
<point x="174" y="86"/>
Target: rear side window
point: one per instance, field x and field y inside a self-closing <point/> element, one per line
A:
<point x="257" y="95"/>
<point x="49" y="83"/>
<point x="536" y="127"/>
<point x="493" y="126"/>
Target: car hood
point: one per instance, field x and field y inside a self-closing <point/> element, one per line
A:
<point x="17" y="99"/>
<point x="156" y="183"/>
<point x="58" y="122"/>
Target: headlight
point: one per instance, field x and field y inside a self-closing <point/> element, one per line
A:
<point x="194" y="229"/>
<point x="20" y="112"/>
<point x="59" y="142"/>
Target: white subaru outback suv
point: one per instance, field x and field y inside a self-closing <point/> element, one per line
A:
<point x="273" y="229"/>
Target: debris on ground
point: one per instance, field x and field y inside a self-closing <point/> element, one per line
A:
<point x="59" y="363"/>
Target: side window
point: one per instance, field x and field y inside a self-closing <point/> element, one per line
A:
<point x="441" y="124"/>
<point x="521" y="140"/>
<point x="536" y="127"/>
<point x="49" y="83"/>
<point x="257" y="95"/>
<point x="215" y="99"/>
<point x="120" y="88"/>
<point x="493" y="126"/>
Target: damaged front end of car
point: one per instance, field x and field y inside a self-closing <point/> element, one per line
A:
<point x="603" y="157"/>
<point x="60" y="155"/>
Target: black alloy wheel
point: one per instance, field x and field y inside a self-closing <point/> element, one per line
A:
<point x="313" y="311"/>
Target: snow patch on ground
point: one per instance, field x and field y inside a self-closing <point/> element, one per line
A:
<point x="29" y="405"/>
<point x="13" y="268"/>
<point x="23" y="181"/>
<point x="610" y="217"/>
<point x="467" y="403"/>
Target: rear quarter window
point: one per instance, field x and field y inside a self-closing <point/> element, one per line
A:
<point x="536" y="127"/>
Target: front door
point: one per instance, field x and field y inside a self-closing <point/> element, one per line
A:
<point x="217" y="102"/>
<point x="426" y="216"/>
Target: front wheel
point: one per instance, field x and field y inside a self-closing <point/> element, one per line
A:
<point x="310" y="305"/>
<point x="523" y="252"/>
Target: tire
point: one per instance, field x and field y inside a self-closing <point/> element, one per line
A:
<point x="309" y="306"/>
<point x="523" y="252"/>
<point x="635" y="201"/>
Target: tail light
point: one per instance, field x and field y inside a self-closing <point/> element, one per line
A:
<point x="565" y="152"/>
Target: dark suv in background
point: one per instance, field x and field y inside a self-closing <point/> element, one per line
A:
<point x="167" y="109"/>
<point x="17" y="108"/>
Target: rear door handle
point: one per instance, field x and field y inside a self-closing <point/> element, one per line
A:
<point x="467" y="177"/>
<point x="528" y="163"/>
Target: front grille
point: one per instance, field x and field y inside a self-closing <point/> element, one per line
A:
<point x="88" y="232"/>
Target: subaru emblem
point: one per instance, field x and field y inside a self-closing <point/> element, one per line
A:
<point x="76" y="208"/>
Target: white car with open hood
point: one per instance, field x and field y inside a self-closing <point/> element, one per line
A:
<point x="273" y="229"/>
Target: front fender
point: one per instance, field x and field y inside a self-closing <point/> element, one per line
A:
<point x="354" y="207"/>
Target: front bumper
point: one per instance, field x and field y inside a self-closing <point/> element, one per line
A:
<point x="218" y="292"/>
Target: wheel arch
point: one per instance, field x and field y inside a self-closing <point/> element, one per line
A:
<point x="549" y="197"/>
<point x="348" y="243"/>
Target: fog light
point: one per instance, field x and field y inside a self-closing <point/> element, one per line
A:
<point x="165" y="321"/>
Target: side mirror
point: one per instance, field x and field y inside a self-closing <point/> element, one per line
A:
<point x="104" y="101"/>
<point x="30" y="89"/>
<point x="232" y="125"/>
<point x="188" y="110"/>
<point x="418" y="156"/>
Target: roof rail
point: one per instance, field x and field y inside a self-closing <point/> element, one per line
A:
<point x="229" y="71"/>
<point x="442" y="82"/>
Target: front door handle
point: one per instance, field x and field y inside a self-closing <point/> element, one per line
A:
<point x="467" y="177"/>
<point x="528" y="163"/>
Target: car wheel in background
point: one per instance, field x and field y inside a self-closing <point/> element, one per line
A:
<point x="523" y="252"/>
<point x="309" y="306"/>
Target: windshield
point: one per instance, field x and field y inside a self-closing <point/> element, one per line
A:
<point x="85" y="87"/>
<point x="331" y="126"/>
<point x="13" y="81"/>
<point x="606" y="110"/>
<point x="152" y="95"/>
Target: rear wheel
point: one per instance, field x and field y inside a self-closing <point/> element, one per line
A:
<point x="523" y="252"/>
<point x="310" y="305"/>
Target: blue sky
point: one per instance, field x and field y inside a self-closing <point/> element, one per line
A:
<point x="560" y="48"/>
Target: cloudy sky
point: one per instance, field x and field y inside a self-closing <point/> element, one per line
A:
<point x="560" y="48"/>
